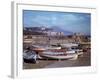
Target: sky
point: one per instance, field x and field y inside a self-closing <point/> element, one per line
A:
<point x="69" y="21"/>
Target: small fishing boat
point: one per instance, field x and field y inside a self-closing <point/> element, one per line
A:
<point x="74" y="47"/>
<point x="52" y="48"/>
<point x="42" y="48"/>
<point x="80" y="52"/>
<point x="29" y="56"/>
<point x="69" y="45"/>
<point x="59" y="55"/>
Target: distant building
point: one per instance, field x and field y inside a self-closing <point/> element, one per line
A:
<point x="54" y="33"/>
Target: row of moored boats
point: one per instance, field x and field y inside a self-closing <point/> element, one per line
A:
<point x="63" y="51"/>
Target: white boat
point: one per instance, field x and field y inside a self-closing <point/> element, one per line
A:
<point x="80" y="52"/>
<point x="69" y="45"/>
<point x="59" y="55"/>
<point x="68" y="56"/>
<point x="39" y="47"/>
<point x="73" y="47"/>
<point x="51" y="48"/>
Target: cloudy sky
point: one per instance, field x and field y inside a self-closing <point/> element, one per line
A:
<point x="74" y="22"/>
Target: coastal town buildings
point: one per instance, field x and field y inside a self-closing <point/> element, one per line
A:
<point x="47" y="36"/>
